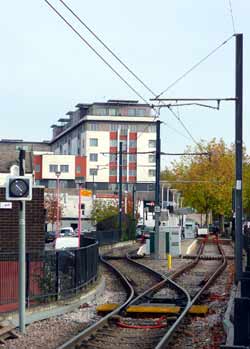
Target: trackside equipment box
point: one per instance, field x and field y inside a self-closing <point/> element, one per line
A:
<point x="171" y="241"/>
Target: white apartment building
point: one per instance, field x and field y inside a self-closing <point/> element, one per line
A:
<point x="95" y="131"/>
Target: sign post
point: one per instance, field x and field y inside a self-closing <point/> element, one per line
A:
<point x="19" y="188"/>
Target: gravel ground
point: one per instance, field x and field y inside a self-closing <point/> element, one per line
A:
<point x="207" y="332"/>
<point x="50" y="333"/>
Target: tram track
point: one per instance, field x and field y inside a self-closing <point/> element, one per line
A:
<point x="120" y="329"/>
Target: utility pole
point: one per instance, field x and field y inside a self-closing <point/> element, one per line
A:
<point x="120" y="189"/>
<point x="157" y="189"/>
<point x="22" y="251"/>
<point x="133" y="198"/>
<point x="238" y="156"/>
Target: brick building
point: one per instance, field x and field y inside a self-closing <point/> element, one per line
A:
<point x="35" y="220"/>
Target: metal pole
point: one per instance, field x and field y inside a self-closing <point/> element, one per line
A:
<point x="157" y="189"/>
<point x="79" y="216"/>
<point x="22" y="252"/>
<point x="133" y="198"/>
<point x="57" y="207"/>
<point x="238" y="157"/>
<point x="120" y="189"/>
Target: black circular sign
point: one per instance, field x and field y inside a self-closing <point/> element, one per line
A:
<point x="18" y="188"/>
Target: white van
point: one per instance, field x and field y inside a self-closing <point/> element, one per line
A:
<point x="67" y="231"/>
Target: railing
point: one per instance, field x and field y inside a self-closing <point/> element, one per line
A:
<point x="50" y="275"/>
<point x="105" y="237"/>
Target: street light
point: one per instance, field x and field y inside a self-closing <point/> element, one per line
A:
<point x="80" y="182"/>
<point x="57" y="173"/>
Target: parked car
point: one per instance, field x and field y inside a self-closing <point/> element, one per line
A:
<point x="50" y="236"/>
<point x="67" y="231"/>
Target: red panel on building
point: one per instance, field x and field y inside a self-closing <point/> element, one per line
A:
<point x="113" y="150"/>
<point x="38" y="163"/>
<point x="113" y="135"/>
<point x="132" y="166"/>
<point x="133" y="135"/>
<point x="123" y="137"/>
<point x="132" y="179"/>
<point x="112" y="179"/>
<point x="132" y="150"/>
<point x="80" y="166"/>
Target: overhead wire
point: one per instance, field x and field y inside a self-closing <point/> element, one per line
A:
<point x="96" y="52"/>
<point x="232" y="16"/>
<point x="126" y="66"/>
<point x="108" y="48"/>
<point x="110" y="51"/>
<point x="195" y="66"/>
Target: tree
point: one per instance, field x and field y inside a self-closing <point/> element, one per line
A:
<point x="210" y="179"/>
<point x="50" y="204"/>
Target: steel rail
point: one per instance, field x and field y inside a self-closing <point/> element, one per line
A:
<point x="74" y="341"/>
<point x="168" y="336"/>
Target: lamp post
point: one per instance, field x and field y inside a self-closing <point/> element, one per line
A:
<point x="57" y="173"/>
<point x="80" y="183"/>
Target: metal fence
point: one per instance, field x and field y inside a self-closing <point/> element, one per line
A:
<point x="105" y="237"/>
<point x="50" y="275"/>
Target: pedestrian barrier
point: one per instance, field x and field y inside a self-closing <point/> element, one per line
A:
<point x="50" y="275"/>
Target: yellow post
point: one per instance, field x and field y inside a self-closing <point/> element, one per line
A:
<point x="169" y="261"/>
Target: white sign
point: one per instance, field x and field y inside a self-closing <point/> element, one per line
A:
<point x="6" y="205"/>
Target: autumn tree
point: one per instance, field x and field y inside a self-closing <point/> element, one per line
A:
<point x="206" y="182"/>
<point x="50" y="204"/>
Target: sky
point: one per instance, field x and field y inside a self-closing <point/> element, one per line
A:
<point x="46" y="70"/>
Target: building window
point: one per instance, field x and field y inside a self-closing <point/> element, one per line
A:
<point x="133" y="128"/>
<point x="131" y="112"/>
<point x="93" y="171"/>
<point x="132" y="143"/>
<point x="112" y="158"/>
<point x="78" y="169"/>
<point x="152" y="143"/>
<point x="151" y="173"/>
<point x="52" y="183"/>
<point x="113" y="172"/>
<point x="113" y="111"/>
<point x="37" y="168"/>
<point x="132" y="173"/>
<point x="53" y="168"/>
<point x="93" y="157"/>
<point x="151" y="158"/>
<point x="93" y="126"/>
<point x="140" y="112"/>
<point x="132" y="157"/>
<point x="93" y="142"/>
<point x="101" y="111"/>
<point x="64" y="168"/>
<point x="114" y="127"/>
<point x="124" y="172"/>
<point x="124" y="145"/>
<point x="113" y="142"/>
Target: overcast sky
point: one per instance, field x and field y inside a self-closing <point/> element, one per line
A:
<point x="46" y="70"/>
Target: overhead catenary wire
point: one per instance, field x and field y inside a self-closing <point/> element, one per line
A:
<point x="108" y="48"/>
<point x="110" y="51"/>
<point x="195" y="66"/>
<point x="96" y="52"/>
<point x="232" y="15"/>
<point x="183" y="125"/>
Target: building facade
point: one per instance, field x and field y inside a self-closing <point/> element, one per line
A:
<point x="69" y="167"/>
<point x="95" y="131"/>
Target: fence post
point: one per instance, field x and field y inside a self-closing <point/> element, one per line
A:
<point x="27" y="286"/>
<point x="76" y="271"/>
<point x="57" y="275"/>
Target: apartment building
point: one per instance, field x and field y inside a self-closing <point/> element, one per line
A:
<point x="68" y="167"/>
<point x="95" y="131"/>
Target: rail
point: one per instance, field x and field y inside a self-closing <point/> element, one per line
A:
<point x="168" y="336"/>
